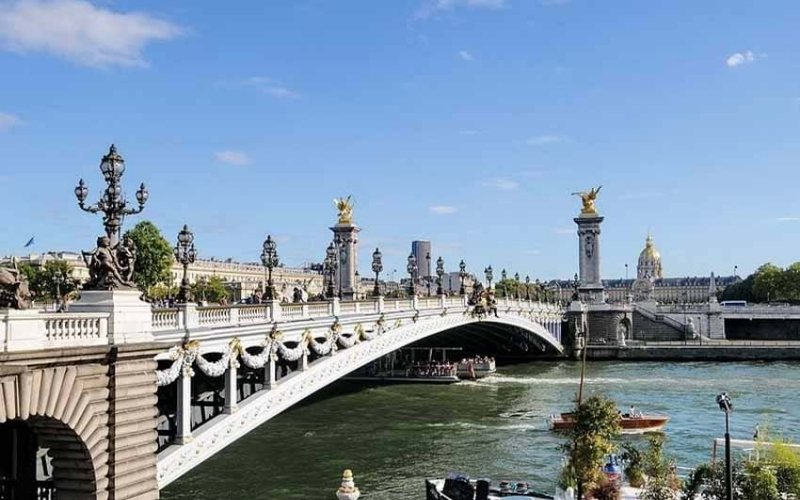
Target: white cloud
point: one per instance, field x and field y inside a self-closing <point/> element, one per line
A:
<point x="502" y="184"/>
<point x="8" y="121"/>
<point x="788" y="219"/>
<point x="432" y="7"/>
<point x="739" y="58"/>
<point x="541" y="140"/>
<point x="442" y="209"/>
<point x="236" y="158"/>
<point x="270" y="86"/>
<point x="465" y="56"/>
<point x="79" y="31"/>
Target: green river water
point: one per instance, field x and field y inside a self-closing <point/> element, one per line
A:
<point x="395" y="436"/>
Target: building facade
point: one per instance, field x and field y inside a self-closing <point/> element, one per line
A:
<point x="422" y="252"/>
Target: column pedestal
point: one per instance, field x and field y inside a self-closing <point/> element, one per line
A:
<point x="130" y="320"/>
<point x="346" y="238"/>
<point x="591" y="285"/>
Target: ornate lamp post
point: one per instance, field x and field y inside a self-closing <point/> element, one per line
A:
<point x="489" y="276"/>
<point x="330" y="267"/>
<point x="269" y="258"/>
<point x="185" y="254"/>
<point x="377" y="267"/>
<point x="112" y="204"/>
<point x="503" y="275"/>
<point x="539" y="289"/>
<point x="203" y="286"/>
<point x="58" y="280"/>
<point x="726" y="405"/>
<point x="428" y="276"/>
<point x="412" y="271"/>
<point x="439" y="275"/>
<point x="516" y="285"/>
<point x="462" y="275"/>
<point x="527" y="288"/>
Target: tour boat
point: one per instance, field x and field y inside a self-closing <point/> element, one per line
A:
<point x="461" y="487"/>
<point x="630" y="425"/>
<point x="472" y="369"/>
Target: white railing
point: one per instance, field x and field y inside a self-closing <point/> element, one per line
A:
<point x="252" y="314"/>
<point x="319" y="309"/>
<point x="348" y="308"/>
<point x="37" y="330"/>
<point x="208" y="316"/>
<point x="165" y="319"/>
<point x="291" y="311"/>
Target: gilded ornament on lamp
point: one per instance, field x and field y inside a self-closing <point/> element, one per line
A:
<point x="345" y="208"/>
<point x="587" y="199"/>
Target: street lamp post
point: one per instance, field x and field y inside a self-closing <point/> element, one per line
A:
<point x="330" y="267"/>
<point x="377" y="267"/>
<point x="462" y="275"/>
<point x="185" y="254"/>
<point x="112" y="204"/>
<point x="58" y="279"/>
<point x="269" y="258"/>
<point x="516" y="286"/>
<point x="489" y="273"/>
<point x="439" y="275"/>
<point x="412" y="271"/>
<point x="726" y="405"/>
<point x="428" y="274"/>
<point x="527" y="288"/>
<point x="203" y="285"/>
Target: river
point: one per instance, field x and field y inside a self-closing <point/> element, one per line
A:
<point x="395" y="436"/>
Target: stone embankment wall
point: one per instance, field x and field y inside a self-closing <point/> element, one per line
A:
<point x="732" y="351"/>
<point x="762" y="329"/>
<point x="649" y="330"/>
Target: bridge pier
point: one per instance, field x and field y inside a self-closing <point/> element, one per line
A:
<point x="270" y="379"/>
<point x="183" y="413"/>
<point x="231" y="402"/>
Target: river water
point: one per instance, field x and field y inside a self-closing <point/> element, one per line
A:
<point x="395" y="436"/>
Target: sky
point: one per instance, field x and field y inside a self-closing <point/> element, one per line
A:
<point x="465" y="122"/>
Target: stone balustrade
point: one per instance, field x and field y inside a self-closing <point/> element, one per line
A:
<point x="36" y="330"/>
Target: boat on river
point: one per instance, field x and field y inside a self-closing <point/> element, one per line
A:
<point x="475" y="368"/>
<point x="461" y="487"/>
<point x="638" y="424"/>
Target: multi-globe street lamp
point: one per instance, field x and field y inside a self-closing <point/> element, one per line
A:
<point x="377" y="267"/>
<point x="185" y="254"/>
<point x="428" y="274"/>
<point x="489" y="273"/>
<point x="726" y="405"/>
<point x="269" y="259"/>
<point x="462" y="275"/>
<point x="112" y="203"/>
<point x="439" y="275"/>
<point x="330" y="268"/>
<point x="412" y="271"/>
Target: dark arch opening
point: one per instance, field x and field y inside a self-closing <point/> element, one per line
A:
<point x="42" y="458"/>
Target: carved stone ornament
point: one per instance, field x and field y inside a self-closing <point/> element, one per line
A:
<point x="14" y="291"/>
<point x="589" y="245"/>
<point x="111" y="267"/>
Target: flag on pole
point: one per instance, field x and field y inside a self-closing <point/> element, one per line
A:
<point x="29" y="243"/>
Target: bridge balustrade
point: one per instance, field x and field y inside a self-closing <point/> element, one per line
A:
<point x="215" y="315"/>
<point x="166" y="319"/>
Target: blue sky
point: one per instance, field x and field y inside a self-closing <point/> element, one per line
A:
<point x="467" y="122"/>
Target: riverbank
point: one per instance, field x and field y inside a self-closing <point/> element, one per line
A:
<point x="732" y="350"/>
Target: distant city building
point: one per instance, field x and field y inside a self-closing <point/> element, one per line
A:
<point x="650" y="283"/>
<point x="241" y="278"/>
<point x="422" y="252"/>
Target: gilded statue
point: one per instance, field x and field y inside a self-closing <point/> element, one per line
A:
<point x="588" y="198"/>
<point x="345" y="208"/>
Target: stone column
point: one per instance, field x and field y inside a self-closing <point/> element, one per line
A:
<point x="345" y="236"/>
<point x="269" y="373"/>
<point x="130" y="318"/>
<point x="231" y="399"/>
<point x="183" y="415"/>
<point x="591" y="285"/>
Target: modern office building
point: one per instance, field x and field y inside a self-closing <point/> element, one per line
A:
<point x="422" y="252"/>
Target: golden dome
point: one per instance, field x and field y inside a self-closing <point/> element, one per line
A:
<point x="650" y="261"/>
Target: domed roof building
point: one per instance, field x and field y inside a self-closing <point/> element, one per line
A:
<point x="649" y="261"/>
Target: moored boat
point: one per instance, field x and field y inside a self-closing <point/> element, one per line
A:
<point x="461" y="487"/>
<point x="638" y="424"/>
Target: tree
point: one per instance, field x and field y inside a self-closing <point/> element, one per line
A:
<point x="660" y="481"/>
<point x="42" y="280"/>
<point x="596" y="425"/>
<point x="767" y="283"/>
<point x="153" y="256"/>
<point x="212" y="290"/>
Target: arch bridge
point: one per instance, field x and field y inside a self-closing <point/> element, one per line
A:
<point x="124" y="413"/>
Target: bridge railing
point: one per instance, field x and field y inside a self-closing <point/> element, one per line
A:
<point x="36" y="330"/>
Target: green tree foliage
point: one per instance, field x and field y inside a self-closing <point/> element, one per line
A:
<point x="42" y="280"/>
<point x="660" y="482"/>
<point x="211" y="290"/>
<point x="591" y="441"/>
<point x="153" y="256"/>
<point x="634" y="465"/>
<point x="769" y="283"/>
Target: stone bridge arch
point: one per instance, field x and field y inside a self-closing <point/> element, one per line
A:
<point x="224" y="429"/>
<point x="65" y="407"/>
